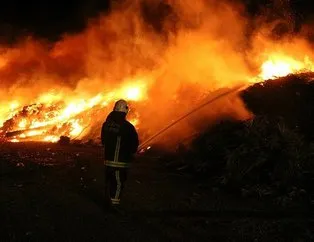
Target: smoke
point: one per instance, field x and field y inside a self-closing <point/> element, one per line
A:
<point x="182" y="51"/>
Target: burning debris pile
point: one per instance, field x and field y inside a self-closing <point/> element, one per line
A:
<point x="269" y="156"/>
<point x="33" y="122"/>
<point x="49" y="121"/>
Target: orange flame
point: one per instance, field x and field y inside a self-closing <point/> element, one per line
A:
<point x="70" y="88"/>
<point x="57" y="118"/>
<point x="280" y="65"/>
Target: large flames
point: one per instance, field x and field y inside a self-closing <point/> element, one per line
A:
<point x="69" y="88"/>
<point x="49" y="118"/>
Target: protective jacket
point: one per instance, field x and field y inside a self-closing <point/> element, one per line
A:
<point x="120" y="140"/>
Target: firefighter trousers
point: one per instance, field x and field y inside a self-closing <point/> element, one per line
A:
<point x="115" y="179"/>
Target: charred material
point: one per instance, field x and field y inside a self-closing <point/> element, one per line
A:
<point x="291" y="98"/>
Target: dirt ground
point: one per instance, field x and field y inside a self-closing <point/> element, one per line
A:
<point x="55" y="193"/>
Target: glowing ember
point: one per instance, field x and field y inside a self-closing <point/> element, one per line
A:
<point x="51" y="138"/>
<point x="22" y="124"/>
<point x="14" y="140"/>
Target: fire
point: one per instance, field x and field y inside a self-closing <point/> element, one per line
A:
<point x="51" y="138"/>
<point x="22" y="124"/>
<point x="135" y="122"/>
<point x="67" y="88"/>
<point x="280" y="65"/>
<point x="76" y="128"/>
<point x="62" y="118"/>
<point x="14" y="105"/>
<point x="133" y="93"/>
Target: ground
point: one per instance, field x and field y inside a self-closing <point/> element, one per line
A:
<point x="44" y="198"/>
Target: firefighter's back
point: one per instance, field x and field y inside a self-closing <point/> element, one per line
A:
<point x="119" y="138"/>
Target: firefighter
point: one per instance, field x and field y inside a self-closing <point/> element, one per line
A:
<point x="120" y="141"/>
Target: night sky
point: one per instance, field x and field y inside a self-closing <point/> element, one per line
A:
<point x="49" y="19"/>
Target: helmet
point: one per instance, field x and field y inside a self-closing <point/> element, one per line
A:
<point x="121" y="106"/>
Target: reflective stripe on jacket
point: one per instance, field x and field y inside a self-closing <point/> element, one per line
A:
<point x="116" y="162"/>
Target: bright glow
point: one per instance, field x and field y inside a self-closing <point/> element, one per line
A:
<point x="76" y="128"/>
<point x="22" y="124"/>
<point x="133" y="93"/>
<point x="50" y="97"/>
<point x="280" y="65"/>
<point x="33" y="133"/>
<point x="14" y="140"/>
<point x="14" y="105"/>
<point x="61" y="117"/>
<point x="51" y="138"/>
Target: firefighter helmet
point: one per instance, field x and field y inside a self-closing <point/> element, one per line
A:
<point x="121" y="106"/>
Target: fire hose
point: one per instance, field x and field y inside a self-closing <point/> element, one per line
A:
<point x="233" y="90"/>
